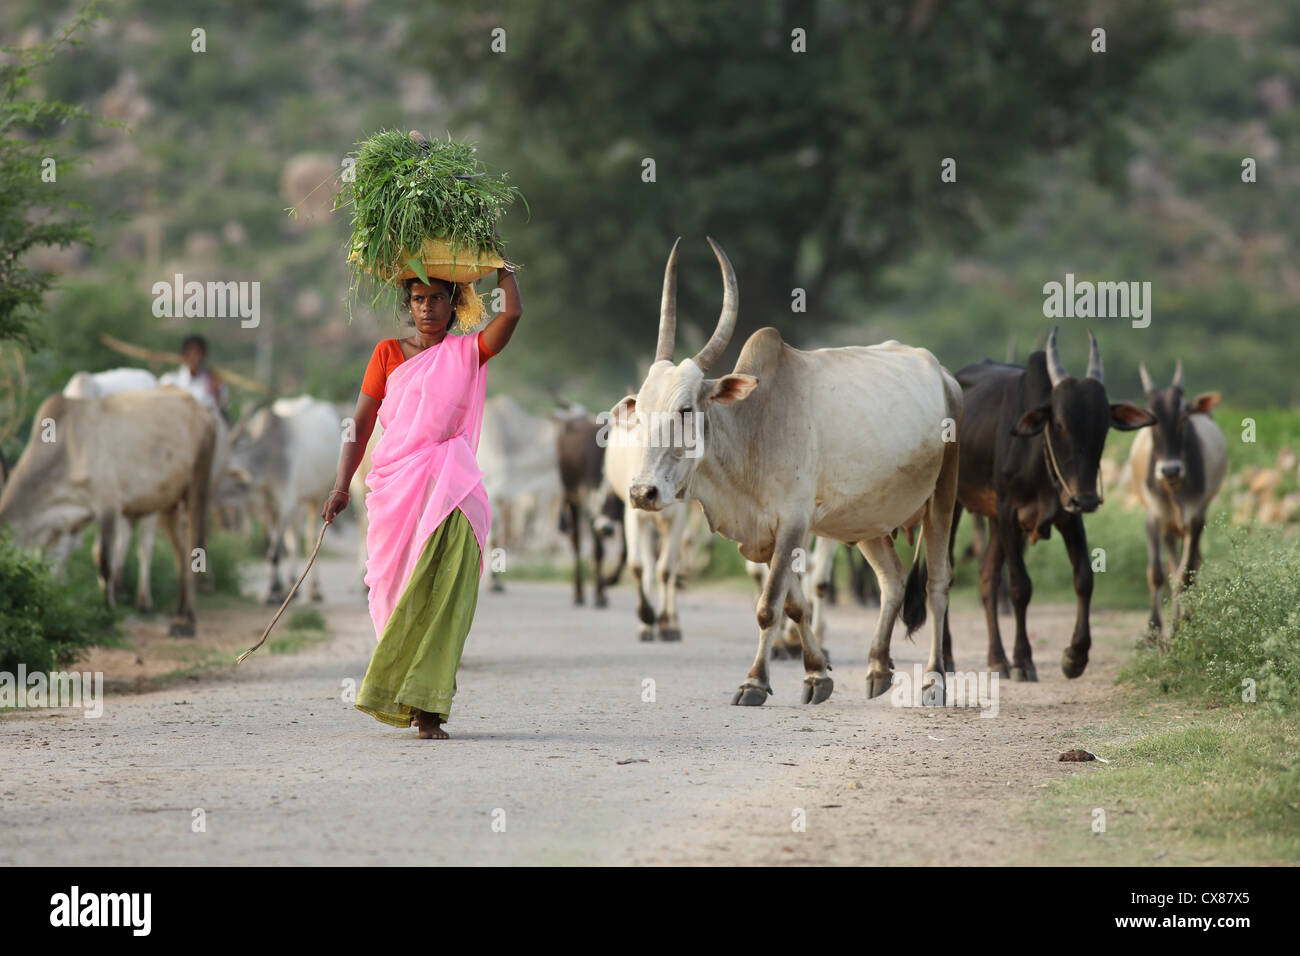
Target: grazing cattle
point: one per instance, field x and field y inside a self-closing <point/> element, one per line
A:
<point x="287" y="454"/>
<point x="136" y="453"/>
<point x="1177" y="467"/>
<point x="844" y="443"/>
<point x="1031" y="446"/>
<point x="516" y="452"/>
<point x="111" y="382"/>
<point x="819" y="575"/>
<point x="652" y="542"/>
<point x="581" y="460"/>
<point x="97" y="385"/>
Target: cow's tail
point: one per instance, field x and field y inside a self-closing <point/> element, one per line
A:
<point x="914" y="595"/>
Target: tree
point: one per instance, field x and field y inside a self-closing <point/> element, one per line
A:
<point x="36" y="207"/>
<point x="807" y="138"/>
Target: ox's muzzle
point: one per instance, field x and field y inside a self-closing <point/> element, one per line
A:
<point x="647" y="496"/>
<point x="1171" y="472"/>
<point x="1083" y="504"/>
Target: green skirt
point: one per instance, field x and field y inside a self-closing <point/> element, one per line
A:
<point x="414" y="666"/>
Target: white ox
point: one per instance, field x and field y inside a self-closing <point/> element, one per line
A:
<point x="287" y="454"/>
<point x="843" y="443"/>
<point x="653" y="540"/>
<point x="139" y="452"/>
<point x="819" y="575"/>
<point x="112" y="382"/>
<point x="516" y="451"/>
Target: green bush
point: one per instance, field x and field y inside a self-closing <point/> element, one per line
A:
<point x="46" y="623"/>
<point x="1243" y="623"/>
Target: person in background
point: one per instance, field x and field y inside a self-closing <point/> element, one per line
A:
<point x="196" y="377"/>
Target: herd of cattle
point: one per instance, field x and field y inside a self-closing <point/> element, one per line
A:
<point x="798" y="451"/>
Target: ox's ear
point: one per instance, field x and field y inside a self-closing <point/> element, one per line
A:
<point x="1031" y="423"/>
<point x="1202" y="403"/>
<point x="1127" y="417"/>
<point x="732" y="388"/>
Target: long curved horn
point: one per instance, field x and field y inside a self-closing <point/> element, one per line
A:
<point x="1094" y="359"/>
<point x="1148" y="386"/>
<point x="1055" y="367"/>
<point x="668" y="309"/>
<point x="1178" y="375"/>
<point x="717" y="344"/>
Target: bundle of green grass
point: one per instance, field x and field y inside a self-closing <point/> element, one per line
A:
<point x="423" y="208"/>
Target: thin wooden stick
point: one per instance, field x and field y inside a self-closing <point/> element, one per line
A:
<point x="154" y="355"/>
<point x="292" y="591"/>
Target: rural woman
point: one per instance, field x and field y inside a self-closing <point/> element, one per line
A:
<point x="428" y="511"/>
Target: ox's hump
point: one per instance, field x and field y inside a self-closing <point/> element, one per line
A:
<point x="761" y="353"/>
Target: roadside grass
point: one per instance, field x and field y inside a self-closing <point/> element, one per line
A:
<point x="1204" y="767"/>
<point x="1182" y="787"/>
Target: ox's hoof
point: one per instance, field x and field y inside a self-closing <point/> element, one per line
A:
<point x="601" y="601"/>
<point x="181" y="628"/>
<point x="878" y="685"/>
<point x="646" y="633"/>
<point x="817" y="689"/>
<point x="1024" y="674"/>
<point x="751" y="696"/>
<point x="578" y="601"/>
<point x="670" y="634"/>
<point x="1072" y="664"/>
<point x="949" y="666"/>
<point x="1004" y="669"/>
<point x="275" y="600"/>
<point x="497" y="586"/>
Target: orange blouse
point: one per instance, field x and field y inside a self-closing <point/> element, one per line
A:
<point x="387" y="356"/>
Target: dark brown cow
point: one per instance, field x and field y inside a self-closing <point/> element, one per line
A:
<point x="587" y="497"/>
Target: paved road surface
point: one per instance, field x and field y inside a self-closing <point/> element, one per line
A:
<point x="552" y="737"/>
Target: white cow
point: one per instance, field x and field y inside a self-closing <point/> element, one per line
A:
<point x="653" y="540"/>
<point x="815" y="569"/>
<point x="516" y="451"/>
<point x="287" y="454"/>
<point x="845" y="443"/>
<point x="113" y="382"/>
<point x="124" y="456"/>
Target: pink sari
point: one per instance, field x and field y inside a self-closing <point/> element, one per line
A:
<point x="424" y="464"/>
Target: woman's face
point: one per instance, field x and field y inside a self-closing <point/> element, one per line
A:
<point x="430" y="307"/>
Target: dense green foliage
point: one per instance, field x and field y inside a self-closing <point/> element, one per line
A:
<point x="36" y="207"/>
<point x="45" y="623"/>
<point x="1244" y="624"/>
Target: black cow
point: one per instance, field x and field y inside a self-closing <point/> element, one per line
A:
<point x="1031" y="442"/>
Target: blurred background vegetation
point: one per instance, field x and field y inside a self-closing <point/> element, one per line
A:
<point x="815" y="170"/>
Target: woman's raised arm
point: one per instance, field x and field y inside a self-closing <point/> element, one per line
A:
<point x="497" y="333"/>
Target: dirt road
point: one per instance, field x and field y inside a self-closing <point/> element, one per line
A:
<point x="556" y="758"/>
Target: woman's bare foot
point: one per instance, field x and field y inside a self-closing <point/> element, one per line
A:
<point x="430" y="726"/>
